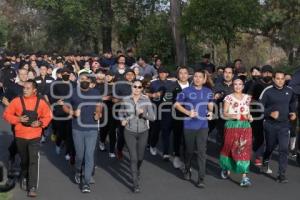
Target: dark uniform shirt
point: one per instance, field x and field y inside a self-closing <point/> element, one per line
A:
<point x="44" y="84"/>
<point x="13" y="90"/>
<point x="281" y="100"/>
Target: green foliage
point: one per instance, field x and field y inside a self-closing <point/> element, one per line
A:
<point x="220" y="20"/>
<point x="281" y="23"/>
<point x="3" y="31"/>
<point x="129" y="16"/>
<point x="76" y="21"/>
<point x="155" y="37"/>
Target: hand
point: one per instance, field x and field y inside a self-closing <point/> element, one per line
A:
<point x="36" y="124"/>
<point x="209" y="116"/>
<point x="5" y="101"/>
<point x="76" y="113"/>
<point x="250" y="118"/>
<point x="218" y="96"/>
<point x="124" y="122"/>
<point x="97" y="116"/>
<point x="106" y="98"/>
<point x="24" y="119"/>
<point x="274" y="114"/>
<point x="60" y="102"/>
<point x="71" y="113"/>
<point x="193" y="114"/>
<point x="140" y="111"/>
<point x="293" y="116"/>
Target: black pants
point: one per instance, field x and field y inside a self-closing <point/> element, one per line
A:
<point x="120" y="135"/>
<point x="163" y="125"/>
<point x="258" y="136"/>
<point x="198" y="139"/>
<point x="109" y="129"/>
<point x="64" y="133"/>
<point x="29" y="153"/>
<point x="13" y="146"/>
<point x="136" y="143"/>
<point x="177" y="136"/>
<point x="220" y="123"/>
<point x="298" y="134"/>
<point x="277" y="134"/>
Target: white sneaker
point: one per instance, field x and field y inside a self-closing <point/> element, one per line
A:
<point x="111" y="155"/>
<point x="102" y="146"/>
<point x="43" y="140"/>
<point x="166" y="157"/>
<point x="177" y="162"/>
<point x="266" y="170"/>
<point x="153" y="151"/>
<point x="67" y="157"/>
<point x="57" y="150"/>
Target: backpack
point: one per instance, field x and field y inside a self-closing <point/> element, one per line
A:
<point x="31" y="114"/>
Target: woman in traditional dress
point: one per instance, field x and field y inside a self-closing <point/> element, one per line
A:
<point x="236" y="152"/>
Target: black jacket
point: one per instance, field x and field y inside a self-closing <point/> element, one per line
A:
<point x="281" y="100"/>
<point x="44" y="84"/>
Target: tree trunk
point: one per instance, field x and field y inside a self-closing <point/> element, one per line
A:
<point x="96" y="45"/>
<point x="107" y="18"/>
<point x="228" y="50"/>
<point x="179" y="39"/>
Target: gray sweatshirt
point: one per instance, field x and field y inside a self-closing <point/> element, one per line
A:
<point x="129" y="111"/>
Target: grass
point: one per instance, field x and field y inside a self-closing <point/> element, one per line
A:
<point x="5" y="196"/>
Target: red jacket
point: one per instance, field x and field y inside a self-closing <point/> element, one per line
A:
<point x="14" y="110"/>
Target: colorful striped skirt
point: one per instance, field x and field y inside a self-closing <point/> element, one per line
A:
<point x="236" y="152"/>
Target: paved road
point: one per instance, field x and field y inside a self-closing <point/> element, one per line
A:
<point x="159" y="180"/>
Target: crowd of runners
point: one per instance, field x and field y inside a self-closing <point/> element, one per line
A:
<point x="116" y="103"/>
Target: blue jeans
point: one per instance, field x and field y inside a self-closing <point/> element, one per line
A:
<point x="85" y="143"/>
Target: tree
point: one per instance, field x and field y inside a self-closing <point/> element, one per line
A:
<point x="178" y="36"/>
<point x="281" y="23"/>
<point x="129" y="16"/>
<point x="221" y="19"/>
<point x="155" y="37"/>
<point x="71" y="24"/>
<point x="107" y="23"/>
<point x="3" y="31"/>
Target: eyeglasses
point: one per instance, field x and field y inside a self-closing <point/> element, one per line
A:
<point x="139" y="87"/>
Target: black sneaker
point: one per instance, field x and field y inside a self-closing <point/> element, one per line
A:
<point x="77" y="178"/>
<point x="298" y="158"/>
<point x="32" y="192"/>
<point x="294" y="153"/>
<point x="136" y="189"/>
<point x="282" y="179"/>
<point x="86" y="188"/>
<point x="200" y="183"/>
<point x="23" y="184"/>
<point x="187" y="174"/>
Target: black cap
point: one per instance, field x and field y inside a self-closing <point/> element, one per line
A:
<point x="267" y="68"/>
<point x="66" y="70"/>
<point x="128" y="71"/>
<point x="110" y="73"/>
<point x="163" y="70"/>
<point x="44" y="64"/>
<point x="59" y="71"/>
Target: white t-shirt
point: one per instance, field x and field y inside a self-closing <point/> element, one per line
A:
<point x="183" y="86"/>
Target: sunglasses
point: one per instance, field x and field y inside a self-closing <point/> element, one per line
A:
<point x="139" y="87"/>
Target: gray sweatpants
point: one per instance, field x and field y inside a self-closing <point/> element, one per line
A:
<point x="136" y="144"/>
<point x="196" y="138"/>
<point x="85" y="143"/>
